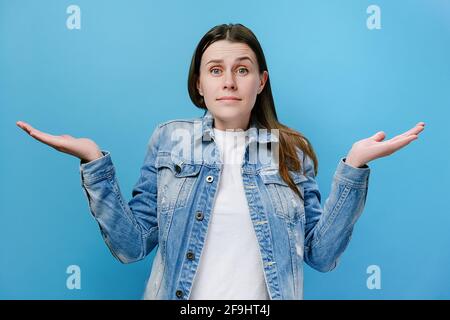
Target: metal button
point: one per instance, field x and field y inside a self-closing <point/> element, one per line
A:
<point x="177" y="168"/>
<point x="199" y="215"/>
<point x="179" y="293"/>
<point x="190" y="255"/>
<point x="209" y="179"/>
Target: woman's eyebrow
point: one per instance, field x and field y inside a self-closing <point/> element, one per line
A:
<point x="237" y="59"/>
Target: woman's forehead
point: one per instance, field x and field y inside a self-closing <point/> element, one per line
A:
<point x="227" y="51"/>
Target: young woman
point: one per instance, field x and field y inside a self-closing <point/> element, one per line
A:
<point x="230" y="198"/>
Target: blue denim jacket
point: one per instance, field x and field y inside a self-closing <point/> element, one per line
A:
<point x="173" y="198"/>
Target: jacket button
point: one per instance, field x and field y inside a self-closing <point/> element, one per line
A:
<point x="190" y="255"/>
<point x="177" y="168"/>
<point x="179" y="293"/>
<point x="209" y="178"/>
<point x="199" y="215"/>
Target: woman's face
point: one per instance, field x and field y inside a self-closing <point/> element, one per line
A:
<point x="229" y="83"/>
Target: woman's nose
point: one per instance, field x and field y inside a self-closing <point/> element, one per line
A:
<point x="229" y="81"/>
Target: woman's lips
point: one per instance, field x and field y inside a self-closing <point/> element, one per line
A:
<point x="229" y="99"/>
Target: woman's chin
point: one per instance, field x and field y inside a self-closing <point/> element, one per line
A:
<point x="228" y="112"/>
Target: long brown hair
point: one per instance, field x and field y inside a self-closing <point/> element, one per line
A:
<point x="264" y="108"/>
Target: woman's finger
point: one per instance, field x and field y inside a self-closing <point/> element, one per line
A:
<point x="402" y="141"/>
<point x="24" y="126"/>
<point x="414" y="131"/>
<point x="51" y="140"/>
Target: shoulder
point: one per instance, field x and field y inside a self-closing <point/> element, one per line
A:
<point x="168" y="133"/>
<point x="179" y="123"/>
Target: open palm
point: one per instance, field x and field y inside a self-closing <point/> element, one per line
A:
<point x="374" y="147"/>
<point x="82" y="148"/>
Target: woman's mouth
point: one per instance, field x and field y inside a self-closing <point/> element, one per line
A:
<point x="228" y="98"/>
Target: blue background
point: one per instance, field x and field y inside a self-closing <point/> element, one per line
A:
<point x="126" y="70"/>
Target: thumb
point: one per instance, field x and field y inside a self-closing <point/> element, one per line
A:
<point x="379" y="136"/>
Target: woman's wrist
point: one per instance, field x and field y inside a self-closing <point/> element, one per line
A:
<point x="354" y="163"/>
<point x="96" y="156"/>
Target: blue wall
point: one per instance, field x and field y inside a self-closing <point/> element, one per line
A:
<point x="125" y="71"/>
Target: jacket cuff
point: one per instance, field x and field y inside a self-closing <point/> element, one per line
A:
<point x="98" y="169"/>
<point x="358" y="176"/>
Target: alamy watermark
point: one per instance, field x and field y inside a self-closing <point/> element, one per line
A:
<point x="374" y="280"/>
<point x="74" y="20"/>
<point x="190" y="146"/>
<point x="374" y="20"/>
<point x="74" y="279"/>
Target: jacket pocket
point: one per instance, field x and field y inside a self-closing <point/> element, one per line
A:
<point x="285" y="202"/>
<point x="175" y="181"/>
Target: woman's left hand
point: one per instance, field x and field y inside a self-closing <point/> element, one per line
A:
<point x="374" y="147"/>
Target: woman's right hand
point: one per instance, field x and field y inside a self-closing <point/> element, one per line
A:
<point x="84" y="149"/>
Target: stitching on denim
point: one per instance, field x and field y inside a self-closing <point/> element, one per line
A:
<point x="332" y="216"/>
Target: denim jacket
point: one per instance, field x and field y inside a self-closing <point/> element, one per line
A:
<point x="172" y="203"/>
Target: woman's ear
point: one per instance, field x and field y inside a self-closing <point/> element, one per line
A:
<point x="263" y="80"/>
<point x="198" y="88"/>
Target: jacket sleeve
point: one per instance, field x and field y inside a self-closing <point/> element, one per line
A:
<point x="130" y="230"/>
<point x="328" y="230"/>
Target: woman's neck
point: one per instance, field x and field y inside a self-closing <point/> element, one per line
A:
<point x="231" y="126"/>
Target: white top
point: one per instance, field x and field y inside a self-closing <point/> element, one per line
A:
<point x="230" y="264"/>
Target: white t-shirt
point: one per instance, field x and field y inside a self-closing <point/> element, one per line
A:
<point x="230" y="264"/>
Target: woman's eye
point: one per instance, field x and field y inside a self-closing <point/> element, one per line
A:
<point x="245" y="69"/>
<point x="216" y="71"/>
